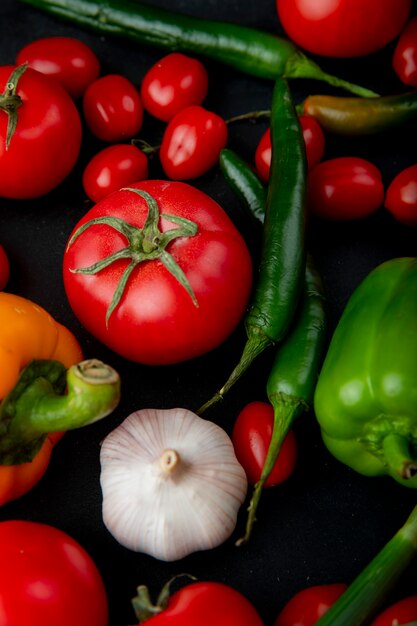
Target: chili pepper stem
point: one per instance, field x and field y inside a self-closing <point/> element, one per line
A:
<point x="285" y="411"/>
<point x="92" y="392"/>
<point x="254" y="346"/>
<point x="299" y="66"/>
<point x="364" y="596"/>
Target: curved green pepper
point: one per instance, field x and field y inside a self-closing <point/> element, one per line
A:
<point x="366" y="396"/>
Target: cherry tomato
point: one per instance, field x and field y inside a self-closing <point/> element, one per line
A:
<point x="157" y="321"/>
<point x="251" y="435"/>
<point x="46" y="143"/>
<point x="49" y="579"/>
<point x="112" y="168"/>
<point x="345" y="188"/>
<point x="307" y="606"/>
<point x="4" y="268"/>
<point x="401" y="196"/>
<point x="174" y="83"/>
<point x="402" y="612"/>
<point x="205" y="604"/>
<point x="404" y="60"/>
<point x="342" y="28"/>
<point x="314" y="142"/>
<point x="112" y="108"/>
<point x="70" y="61"/>
<point x="192" y="143"/>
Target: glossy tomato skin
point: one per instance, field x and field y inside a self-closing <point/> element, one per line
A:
<point x="307" y="606"/>
<point x="112" y="168"/>
<point x="251" y="435"/>
<point x="345" y="188"/>
<point x="192" y="143"/>
<point x="67" y="59"/>
<point x="314" y="141"/>
<point x="4" y="268"/>
<point x="48" y="121"/>
<point x="175" y="82"/>
<point x="49" y="579"/>
<point x="402" y="612"/>
<point x="113" y="108"/>
<point x="401" y="196"/>
<point x="205" y="604"/>
<point x="157" y="322"/>
<point x="342" y="28"/>
<point x="404" y="60"/>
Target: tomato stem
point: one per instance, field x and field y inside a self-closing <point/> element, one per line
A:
<point x="10" y="101"/>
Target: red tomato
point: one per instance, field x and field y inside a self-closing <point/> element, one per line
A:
<point x="402" y="612"/>
<point x="112" y="108"/>
<point x="314" y="142"/>
<point x="174" y="83"/>
<point x="251" y="436"/>
<point x="401" y="196"/>
<point x="192" y="143"/>
<point x="4" y="268"/>
<point x="70" y="61"/>
<point x="342" y="28"/>
<point x="49" y="579"/>
<point x="345" y="188"/>
<point x="112" y="168"/>
<point x="205" y="604"/>
<point x="157" y="321"/>
<point x="404" y="60"/>
<point x="47" y="122"/>
<point x="308" y="605"/>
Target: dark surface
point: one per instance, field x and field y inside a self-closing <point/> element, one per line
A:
<point x="326" y="522"/>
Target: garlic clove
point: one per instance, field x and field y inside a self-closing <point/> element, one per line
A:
<point x="171" y="483"/>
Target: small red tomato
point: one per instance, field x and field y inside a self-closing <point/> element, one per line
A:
<point x="4" y="268"/>
<point x="307" y="606"/>
<point x="404" y="60"/>
<point x="112" y="168"/>
<point x="401" y="196"/>
<point x="70" y="61"/>
<point x="314" y="142"/>
<point x="251" y="436"/>
<point x="342" y="28"/>
<point x="402" y="612"/>
<point x="174" y="83"/>
<point x="192" y="143"/>
<point x="345" y="188"/>
<point x="112" y="108"/>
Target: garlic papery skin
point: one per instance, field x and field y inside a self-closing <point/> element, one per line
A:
<point x="171" y="483"/>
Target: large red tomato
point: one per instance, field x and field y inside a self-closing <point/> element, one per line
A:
<point x="206" y="604"/>
<point x="402" y="612"/>
<point x="188" y="272"/>
<point x="49" y="579"/>
<point x="342" y="28"/>
<point x="46" y="142"/>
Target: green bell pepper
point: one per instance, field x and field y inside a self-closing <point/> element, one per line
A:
<point x="366" y="395"/>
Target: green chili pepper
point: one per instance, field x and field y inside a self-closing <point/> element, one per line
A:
<point x="282" y="264"/>
<point x="361" y="116"/>
<point x="295" y="369"/>
<point x="366" y="396"/>
<point x="369" y="590"/>
<point x="245" y="49"/>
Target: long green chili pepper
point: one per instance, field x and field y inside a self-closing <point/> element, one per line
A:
<point x="361" y="116"/>
<point x="282" y="264"/>
<point x="294" y="373"/>
<point x="245" y="49"/>
<point x="368" y="591"/>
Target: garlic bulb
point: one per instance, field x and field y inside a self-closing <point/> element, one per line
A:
<point x="171" y="483"/>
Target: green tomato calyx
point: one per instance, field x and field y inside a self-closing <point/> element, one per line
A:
<point x="10" y="101"/>
<point x="144" y="244"/>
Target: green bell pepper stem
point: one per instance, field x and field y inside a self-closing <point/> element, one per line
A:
<point x="246" y="49"/>
<point x="368" y="591"/>
<point x="45" y="401"/>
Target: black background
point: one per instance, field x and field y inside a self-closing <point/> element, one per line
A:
<point x="326" y="522"/>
